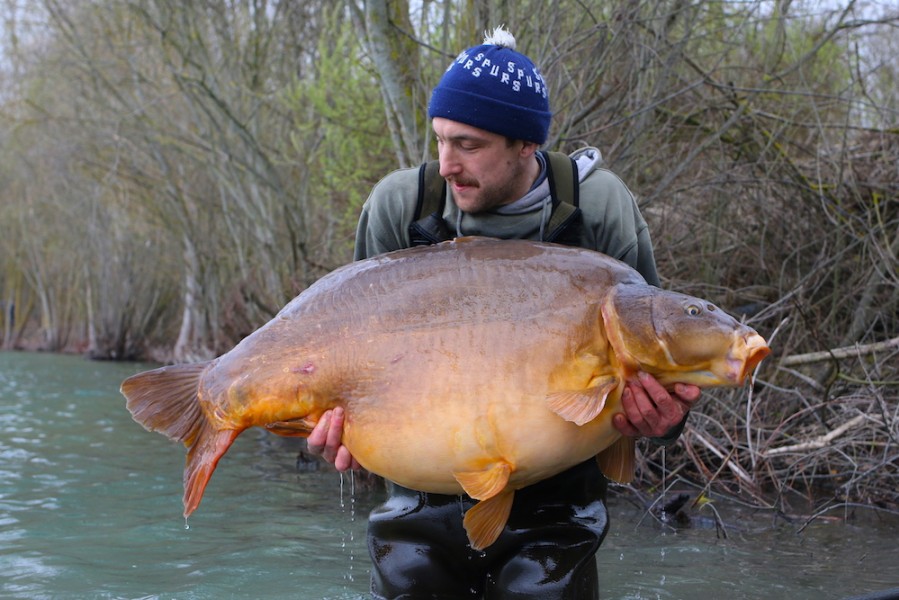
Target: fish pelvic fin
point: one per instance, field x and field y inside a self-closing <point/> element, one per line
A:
<point x="293" y="428"/>
<point x="485" y="520"/>
<point x="165" y="400"/>
<point x="202" y="458"/>
<point x="618" y="461"/>
<point x="486" y="483"/>
<point x="582" y="406"/>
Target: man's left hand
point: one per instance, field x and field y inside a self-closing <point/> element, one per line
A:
<point x="650" y="410"/>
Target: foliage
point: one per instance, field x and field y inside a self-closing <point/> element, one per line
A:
<point x="338" y="126"/>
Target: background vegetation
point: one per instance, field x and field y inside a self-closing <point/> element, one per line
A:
<point x="171" y="173"/>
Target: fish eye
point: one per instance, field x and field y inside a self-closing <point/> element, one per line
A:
<point x="693" y="310"/>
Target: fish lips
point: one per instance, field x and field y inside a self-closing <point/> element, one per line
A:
<point x="751" y="352"/>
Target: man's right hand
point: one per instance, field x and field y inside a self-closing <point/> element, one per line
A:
<point x="325" y="438"/>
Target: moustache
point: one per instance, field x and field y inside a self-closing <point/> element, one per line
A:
<point x="463" y="182"/>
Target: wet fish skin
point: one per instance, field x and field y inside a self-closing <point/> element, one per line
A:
<point x="478" y="366"/>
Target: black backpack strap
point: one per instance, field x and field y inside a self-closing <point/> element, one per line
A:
<point x="564" y="184"/>
<point x="565" y="223"/>
<point x="427" y="225"/>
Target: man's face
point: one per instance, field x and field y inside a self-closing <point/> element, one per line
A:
<point x="483" y="170"/>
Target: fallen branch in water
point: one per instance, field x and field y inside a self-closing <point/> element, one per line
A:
<point x="838" y="353"/>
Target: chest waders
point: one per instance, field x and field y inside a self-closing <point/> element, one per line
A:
<point x="418" y="546"/>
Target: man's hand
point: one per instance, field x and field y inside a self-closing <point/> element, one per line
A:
<point x="650" y="410"/>
<point x="325" y="441"/>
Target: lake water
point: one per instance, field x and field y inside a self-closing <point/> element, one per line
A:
<point x="90" y="507"/>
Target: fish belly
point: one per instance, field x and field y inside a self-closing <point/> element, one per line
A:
<point x="462" y="406"/>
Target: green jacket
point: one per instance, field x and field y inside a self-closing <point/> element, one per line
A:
<point x="612" y="223"/>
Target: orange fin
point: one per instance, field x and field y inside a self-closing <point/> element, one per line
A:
<point x="293" y="428"/>
<point x="165" y="400"/>
<point x="481" y="485"/>
<point x="202" y="459"/>
<point x="485" y="520"/>
<point x="582" y="406"/>
<point x="617" y="462"/>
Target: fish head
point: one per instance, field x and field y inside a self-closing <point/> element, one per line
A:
<point x="680" y="338"/>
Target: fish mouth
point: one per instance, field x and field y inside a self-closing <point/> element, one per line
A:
<point x="754" y="350"/>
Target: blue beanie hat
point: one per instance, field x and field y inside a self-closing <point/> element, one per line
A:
<point x="495" y="88"/>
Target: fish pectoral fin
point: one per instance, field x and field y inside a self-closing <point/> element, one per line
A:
<point x="293" y="428"/>
<point x="487" y="483"/>
<point x="617" y="462"/>
<point x="485" y="520"/>
<point x="582" y="406"/>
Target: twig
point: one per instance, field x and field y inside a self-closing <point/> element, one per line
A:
<point x="733" y="466"/>
<point x="844" y="506"/>
<point x="820" y="441"/>
<point x="804" y="378"/>
<point x="705" y="490"/>
<point x="750" y="396"/>
<point x="838" y="353"/>
<point x="720" y="529"/>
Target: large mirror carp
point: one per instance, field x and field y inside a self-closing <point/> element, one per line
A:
<point x="475" y="366"/>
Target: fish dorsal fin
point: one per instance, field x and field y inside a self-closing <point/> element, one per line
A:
<point x="486" y="483"/>
<point x="485" y="520"/>
<point x="617" y="462"/>
<point x="582" y="406"/>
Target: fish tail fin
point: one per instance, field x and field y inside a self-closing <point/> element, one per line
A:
<point x="165" y="400"/>
<point x="202" y="458"/>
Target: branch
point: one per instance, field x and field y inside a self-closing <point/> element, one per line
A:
<point x="823" y="440"/>
<point x="725" y="458"/>
<point x="838" y="353"/>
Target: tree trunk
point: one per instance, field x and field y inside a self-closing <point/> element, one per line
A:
<point x="388" y="36"/>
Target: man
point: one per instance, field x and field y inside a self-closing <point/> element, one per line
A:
<point x="490" y="112"/>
